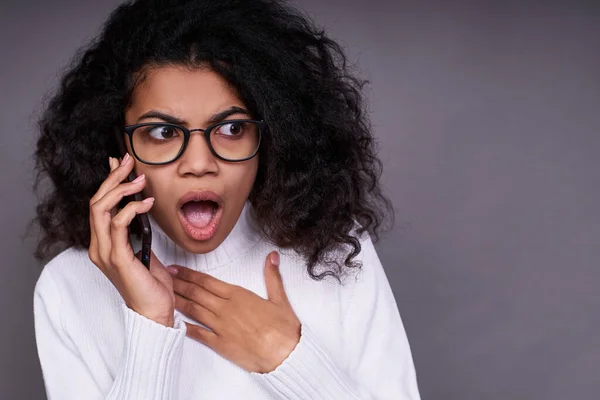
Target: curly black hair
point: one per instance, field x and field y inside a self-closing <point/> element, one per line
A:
<point x="317" y="185"/>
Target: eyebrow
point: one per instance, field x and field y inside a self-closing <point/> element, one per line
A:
<point x="218" y="117"/>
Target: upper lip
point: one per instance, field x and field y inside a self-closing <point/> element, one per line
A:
<point x="198" y="195"/>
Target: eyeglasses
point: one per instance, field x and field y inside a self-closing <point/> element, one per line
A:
<point x="158" y="143"/>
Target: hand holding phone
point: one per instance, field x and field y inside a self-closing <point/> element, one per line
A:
<point x="148" y="291"/>
<point x="144" y="223"/>
<point x="142" y="219"/>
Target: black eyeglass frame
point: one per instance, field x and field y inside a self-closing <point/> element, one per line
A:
<point x="129" y="129"/>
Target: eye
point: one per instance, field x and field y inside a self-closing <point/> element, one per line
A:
<point x="162" y="132"/>
<point x="231" y="129"/>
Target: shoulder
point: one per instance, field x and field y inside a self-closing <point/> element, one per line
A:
<point x="71" y="270"/>
<point x="367" y="284"/>
<point x="368" y="263"/>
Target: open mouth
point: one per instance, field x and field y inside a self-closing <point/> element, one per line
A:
<point x="200" y="213"/>
<point x="200" y="218"/>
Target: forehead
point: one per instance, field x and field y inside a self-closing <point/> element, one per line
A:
<point x="182" y="91"/>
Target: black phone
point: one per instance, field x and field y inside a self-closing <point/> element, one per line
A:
<point x="142" y="219"/>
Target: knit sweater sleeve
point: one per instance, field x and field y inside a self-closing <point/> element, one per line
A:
<point x="379" y="363"/>
<point x="149" y="368"/>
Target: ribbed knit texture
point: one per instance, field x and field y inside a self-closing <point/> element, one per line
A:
<point x="92" y="346"/>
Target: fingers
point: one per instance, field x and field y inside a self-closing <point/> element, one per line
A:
<point x="116" y="176"/>
<point x="104" y="210"/>
<point x="198" y="295"/>
<point x="109" y="241"/>
<point x="202" y="335"/>
<point x="213" y="285"/>
<point x="114" y="164"/>
<point x="275" y="290"/>
<point x="93" y="250"/>
<point x="111" y="200"/>
<point x="195" y="311"/>
<point x="119" y="229"/>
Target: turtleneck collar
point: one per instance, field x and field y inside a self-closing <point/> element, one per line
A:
<point x="242" y="237"/>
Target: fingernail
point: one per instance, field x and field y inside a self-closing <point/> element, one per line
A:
<point x="125" y="159"/>
<point x="274" y="258"/>
<point x="172" y="270"/>
<point x="149" y="200"/>
<point x="139" y="178"/>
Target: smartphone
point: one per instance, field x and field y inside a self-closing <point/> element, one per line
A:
<point x="142" y="219"/>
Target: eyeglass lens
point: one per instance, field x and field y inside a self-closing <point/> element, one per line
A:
<point x="156" y="143"/>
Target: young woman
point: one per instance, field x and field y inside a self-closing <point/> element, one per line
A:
<point x="259" y="175"/>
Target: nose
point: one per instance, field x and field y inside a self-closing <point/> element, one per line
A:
<point x="197" y="159"/>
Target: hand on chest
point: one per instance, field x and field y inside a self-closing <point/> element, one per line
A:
<point x="254" y="332"/>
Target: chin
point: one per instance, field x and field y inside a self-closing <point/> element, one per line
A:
<point x="199" y="247"/>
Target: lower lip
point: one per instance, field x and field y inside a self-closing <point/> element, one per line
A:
<point x="201" y="234"/>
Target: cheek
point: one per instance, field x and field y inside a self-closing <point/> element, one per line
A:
<point x="240" y="178"/>
<point x="250" y="175"/>
<point x="157" y="185"/>
<point x="163" y="194"/>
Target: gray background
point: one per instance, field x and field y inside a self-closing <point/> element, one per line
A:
<point x="488" y="117"/>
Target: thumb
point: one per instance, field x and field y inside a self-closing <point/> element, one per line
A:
<point x="275" y="289"/>
<point x="159" y="271"/>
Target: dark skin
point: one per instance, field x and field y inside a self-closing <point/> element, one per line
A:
<point x="254" y="333"/>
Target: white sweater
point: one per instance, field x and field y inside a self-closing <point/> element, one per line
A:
<point x="92" y="346"/>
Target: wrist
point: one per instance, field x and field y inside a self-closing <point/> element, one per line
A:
<point x="281" y="352"/>
<point x="166" y="320"/>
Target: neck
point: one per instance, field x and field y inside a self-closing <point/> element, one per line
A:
<point x="242" y="238"/>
